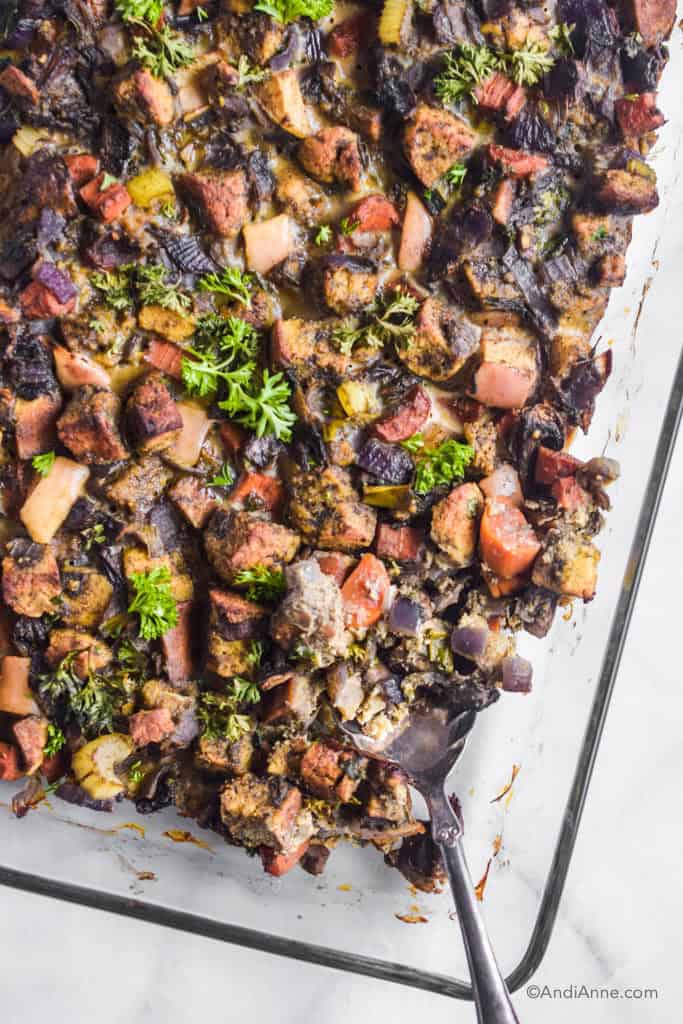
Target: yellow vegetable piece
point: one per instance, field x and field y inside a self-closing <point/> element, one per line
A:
<point x="25" y="139"/>
<point x="395" y="14"/>
<point x="94" y="765"/>
<point x="397" y="496"/>
<point x="149" y="186"/>
<point x="331" y="428"/>
<point x="166" y="322"/>
<point x="356" y="398"/>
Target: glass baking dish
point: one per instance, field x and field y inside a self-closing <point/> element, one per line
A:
<point x="359" y="916"/>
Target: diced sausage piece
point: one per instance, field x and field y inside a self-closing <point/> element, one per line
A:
<point x="39" y="303"/>
<point x="502" y="200"/>
<point x="551" y="466"/>
<point x="349" y="35"/>
<point x="638" y="115"/>
<point x="278" y="864"/>
<point x="569" y="495"/>
<point x="324" y="771"/>
<point x="152" y="415"/>
<point x="623" y="192"/>
<point x="140" y="485"/>
<point x="334" y="563"/>
<point x="31" y="736"/>
<point x="236" y="541"/>
<point x="44" y="181"/>
<point x="150" y="726"/>
<point x="509" y="370"/>
<point x="374" y="213"/>
<point x="294" y="700"/>
<point x="106" y="203"/>
<point x="176" y="645"/>
<point x="507" y="542"/>
<point x="518" y="162"/>
<point x="501" y="95"/>
<point x="94" y="654"/>
<point x="416" y="234"/>
<point x="401" y="543"/>
<point x="142" y="96"/>
<point x="349" y="291"/>
<point x="220" y="200"/>
<point x="30" y="579"/>
<point x="567" y="565"/>
<point x="16" y="83"/>
<point x="234" y="617"/>
<point x="82" y="167"/>
<point x="164" y="356"/>
<point x="332" y="156"/>
<point x="434" y="140"/>
<point x="196" y="502"/>
<point x="266" y="491"/>
<point x="411" y="414"/>
<point x="455" y="522"/>
<point x="268" y="242"/>
<point x="280" y="97"/>
<point x="35" y="422"/>
<point x="88" y="427"/>
<point x="74" y="369"/>
<point x="10" y="770"/>
<point x="610" y="270"/>
<point x="259" y="812"/>
<point x="365" y="592"/>
<point x="653" y="19"/>
<point x="443" y="342"/>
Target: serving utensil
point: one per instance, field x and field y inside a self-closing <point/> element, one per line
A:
<point x="427" y="750"/>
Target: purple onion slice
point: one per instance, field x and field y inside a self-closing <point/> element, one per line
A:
<point x="517" y="674"/>
<point x="469" y="641"/>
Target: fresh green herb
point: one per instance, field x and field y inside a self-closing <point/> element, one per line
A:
<point x="255" y="653"/>
<point x="93" y="705"/>
<point x="414" y="443"/>
<point x="169" y="209"/>
<point x="265" y="411"/>
<point x="107" y="181"/>
<point x="154" y="289"/>
<point x="561" y="35"/>
<point x="232" y="336"/>
<point x="202" y="15"/>
<point x="347" y="227"/>
<point x="455" y="175"/>
<point x="93" y="535"/>
<point x="233" y="283"/>
<point x="439" y="650"/>
<point x="245" y="690"/>
<point x="163" y="51"/>
<point x="97" y="326"/>
<point x="390" y="319"/>
<point x="285" y="11"/>
<point x="442" y="465"/>
<point x="323" y="235"/>
<point x="249" y="73"/>
<point x="224" y="478"/>
<point x="527" y="65"/>
<point x="153" y="602"/>
<point x="551" y="205"/>
<point x="262" y="583"/>
<point x="115" y="286"/>
<point x="43" y="463"/>
<point x="220" y="719"/>
<point x="55" y="740"/>
<point x="428" y="194"/>
<point x="463" y="71"/>
<point x="136" y="773"/>
<point x="600" y="233"/>
<point x="131" y="659"/>
<point x="140" y="10"/>
<point x="356" y="652"/>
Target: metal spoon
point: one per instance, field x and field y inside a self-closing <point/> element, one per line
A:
<point x="426" y="750"/>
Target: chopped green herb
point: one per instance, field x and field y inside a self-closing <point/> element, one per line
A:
<point x="136" y="773"/>
<point x="347" y="227"/>
<point x="244" y="690"/>
<point x="43" y="463"/>
<point x="561" y="35"/>
<point x="93" y="535"/>
<point x="153" y="602"/>
<point x="464" y="69"/>
<point x="231" y="282"/>
<point x="232" y="336"/>
<point x="255" y="653"/>
<point x="154" y="289"/>
<point x="390" y="319"/>
<point x="262" y="583"/>
<point x="249" y="73"/>
<point x="442" y="465"/>
<point x="163" y="52"/>
<point x="169" y="209"/>
<point x="285" y="11"/>
<point x="97" y="326"/>
<point x="220" y="719"/>
<point x="107" y="181"/>
<point x="527" y="65"/>
<point x="55" y="740"/>
<point x="140" y="10"/>
<point x="224" y="478"/>
<point x="323" y="235"/>
<point x="600" y="233"/>
<point x="414" y="443"/>
<point x="202" y="15"/>
<point x="266" y="410"/>
<point x="455" y="175"/>
<point x="115" y="286"/>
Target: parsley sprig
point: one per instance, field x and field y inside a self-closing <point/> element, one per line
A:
<point x="94" y="704"/>
<point x="219" y="713"/>
<point x="464" y="69"/>
<point x="264" y="409"/>
<point x="55" y="740"/>
<point x="285" y="11"/>
<point x="43" y="463"/>
<point x="140" y="10"/>
<point x="527" y="65"/>
<point x="262" y="583"/>
<point x="146" y="283"/>
<point x="442" y="465"/>
<point x="153" y="602"/>
<point x="163" y="51"/>
<point x="235" y="284"/>
<point x="389" y="319"/>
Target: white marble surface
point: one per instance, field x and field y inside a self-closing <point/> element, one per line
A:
<point x="619" y="924"/>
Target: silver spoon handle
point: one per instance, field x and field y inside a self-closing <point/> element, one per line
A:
<point x="491" y="996"/>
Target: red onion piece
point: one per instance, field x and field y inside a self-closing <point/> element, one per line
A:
<point x="405" y="616"/>
<point x="469" y="641"/>
<point x="517" y="673"/>
<point x="59" y="283"/>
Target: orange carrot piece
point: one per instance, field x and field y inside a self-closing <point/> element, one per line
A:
<point x="365" y="591"/>
<point x="507" y="542"/>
